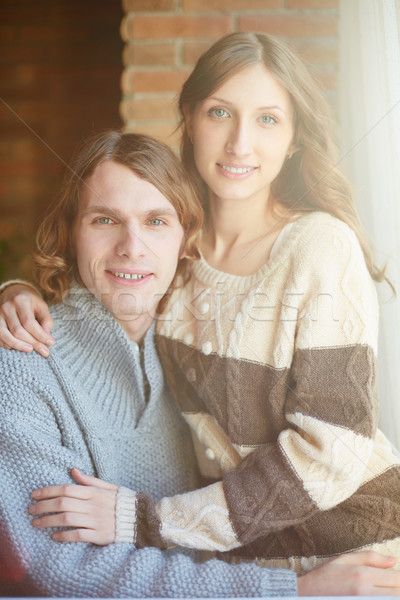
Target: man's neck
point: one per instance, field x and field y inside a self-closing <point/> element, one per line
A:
<point x="136" y="326"/>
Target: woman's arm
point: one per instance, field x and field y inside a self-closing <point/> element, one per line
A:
<point x="357" y="573"/>
<point x="322" y="454"/>
<point x="25" y="320"/>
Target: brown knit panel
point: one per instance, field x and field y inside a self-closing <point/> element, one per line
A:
<point x="245" y="398"/>
<point x="249" y="400"/>
<point x="148" y="524"/>
<point x="371" y="515"/>
<point x="336" y="385"/>
<point x="264" y="494"/>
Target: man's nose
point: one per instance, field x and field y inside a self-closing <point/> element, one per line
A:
<point x="130" y="243"/>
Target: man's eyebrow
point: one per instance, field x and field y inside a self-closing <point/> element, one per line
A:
<point x="99" y="208"/>
<point x="167" y="211"/>
<point x="104" y="209"/>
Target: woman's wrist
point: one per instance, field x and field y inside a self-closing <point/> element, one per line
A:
<point x="7" y="284"/>
<point x="126" y="516"/>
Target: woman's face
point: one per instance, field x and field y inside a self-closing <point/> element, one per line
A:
<point x="241" y="135"/>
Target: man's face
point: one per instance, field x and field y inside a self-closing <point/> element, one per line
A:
<point x="128" y="241"/>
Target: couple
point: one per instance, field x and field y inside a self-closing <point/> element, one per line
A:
<point x="305" y="475"/>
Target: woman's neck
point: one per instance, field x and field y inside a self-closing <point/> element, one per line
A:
<point x="238" y="236"/>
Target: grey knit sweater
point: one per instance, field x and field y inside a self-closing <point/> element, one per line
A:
<point x="85" y="407"/>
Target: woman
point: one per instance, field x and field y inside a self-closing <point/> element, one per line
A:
<point x="270" y="347"/>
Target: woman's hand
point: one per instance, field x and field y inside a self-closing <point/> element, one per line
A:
<point x="89" y="508"/>
<point x="353" y="574"/>
<point x="25" y="321"/>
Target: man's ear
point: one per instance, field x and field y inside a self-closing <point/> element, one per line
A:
<point x="182" y="252"/>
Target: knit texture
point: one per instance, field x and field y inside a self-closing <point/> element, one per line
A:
<point x="85" y="407"/>
<point x="275" y="374"/>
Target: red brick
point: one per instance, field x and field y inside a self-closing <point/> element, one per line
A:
<point x="42" y="34"/>
<point x="20" y="13"/>
<point x="291" y="25"/>
<point x="231" y="5"/>
<point x="8" y="227"/>
<point x="153" y="81"/>
<point x="7" y="35"/>
<point x="166" y="132"/>
<point x="166" y="26"/>
<point x="17" y="75"/>
<point x="160" y="108"/>
<point x="327" y="79"/>
<point x="67" y="13"/>
<point x="193" y="50"/>
<point x="149" y="54"/>
<point x="16" y="148"/>
<point x="22" y="53"/>
<point x="147" y="5"/>
<point x="312" y="4"/>
<point x="317" y="51"/>
<point x="20" y="168"/>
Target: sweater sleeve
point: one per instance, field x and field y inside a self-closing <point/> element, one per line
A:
<point x="35" y="450"/>
<point x="322" y="455"/>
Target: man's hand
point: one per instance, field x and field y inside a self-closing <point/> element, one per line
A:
<point x="354" y="574"/>
<point x="89" y="508"/>
<point x="25" y="321"/>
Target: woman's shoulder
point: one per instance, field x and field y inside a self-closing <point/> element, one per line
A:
<point x="323" y="234"/>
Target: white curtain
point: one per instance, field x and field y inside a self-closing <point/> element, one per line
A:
<point x="369" y="115"/>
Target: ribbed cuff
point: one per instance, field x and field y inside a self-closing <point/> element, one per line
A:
<point x="6" y="284"/>
<point x="126" y="516"/>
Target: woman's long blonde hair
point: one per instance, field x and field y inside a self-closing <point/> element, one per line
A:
<point x="310" y="180"/>
<point x="150" y="160"/>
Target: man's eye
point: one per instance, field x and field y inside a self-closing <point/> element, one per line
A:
<point x="104" y="220"/>
<point x="156" y="222"/>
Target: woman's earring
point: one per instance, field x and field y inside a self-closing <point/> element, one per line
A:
<point x="291" y="152"/>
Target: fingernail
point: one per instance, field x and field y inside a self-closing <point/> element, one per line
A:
<point x="31" y="509"/>
<point x="50" y="341"/>
<point x="36" y="494"/>
<point x="36" y="522"/>
<point x="44" y="352"/>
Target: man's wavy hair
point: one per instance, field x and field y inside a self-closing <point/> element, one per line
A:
<point x="149" y="159"/>
<point x="310" y="179"/>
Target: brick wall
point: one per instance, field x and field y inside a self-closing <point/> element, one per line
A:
<point x="60" y="69"/>
<point x="163" y="39"/>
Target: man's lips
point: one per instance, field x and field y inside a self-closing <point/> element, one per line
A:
<point x="129" y="276"/>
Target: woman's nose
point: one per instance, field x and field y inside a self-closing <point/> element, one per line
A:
<point x="239" y="140"/>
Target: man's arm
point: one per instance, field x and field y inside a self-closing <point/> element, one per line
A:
<point x="36" y="450"/>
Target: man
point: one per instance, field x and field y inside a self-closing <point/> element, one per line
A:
<point x="108" y="251"/>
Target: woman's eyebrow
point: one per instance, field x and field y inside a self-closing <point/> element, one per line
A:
<point x="228" y="103"/>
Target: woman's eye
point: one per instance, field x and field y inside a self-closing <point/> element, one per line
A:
<point x="156" y="222"/>
<point x="218" y="112"/>
<point x="268" y="120"/>
<point x="104" y="220"/>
